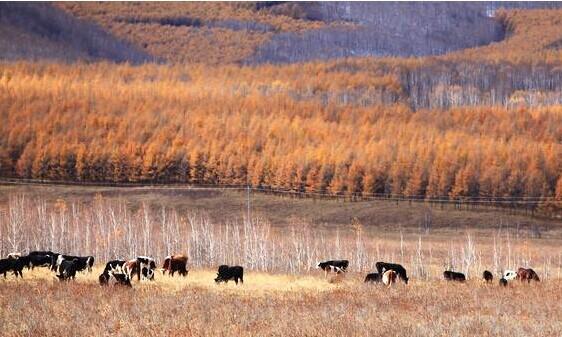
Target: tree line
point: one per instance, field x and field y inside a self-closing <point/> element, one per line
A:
<point x="303" y="128"/>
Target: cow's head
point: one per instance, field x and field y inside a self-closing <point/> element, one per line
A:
<point x="318" y="265"/>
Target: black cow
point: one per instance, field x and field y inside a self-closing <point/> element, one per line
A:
<point x="401" y="271"/>
<point x="488" y="276"/>
<point x="67" y="269"/>
<point x="38" y="259"/>
<point x="82" y="263"/>
<point x="503" y="282"/>
<point x="42" y="252"/>
<point x="373" y="278"/>
<point x="454" y="276"/>
<point x="337" y="266"/>
<point x="13" y="265"/>
<point x="226" y="273"/>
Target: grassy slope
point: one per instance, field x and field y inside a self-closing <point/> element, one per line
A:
<point x="224" y="205"/>
<point x="276" y="305"/>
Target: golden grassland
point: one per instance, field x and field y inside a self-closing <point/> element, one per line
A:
<point x="275" y="305"/>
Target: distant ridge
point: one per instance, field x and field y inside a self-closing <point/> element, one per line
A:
<point x="35" y="31"/>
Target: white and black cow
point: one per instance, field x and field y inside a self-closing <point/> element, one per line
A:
<point x="509" y="275"/>
<point x="336" y="266"/>
<point x="115" y="271"/>
<point x="67" y="269"/>
<point x="83" y="262"/>
<point x="142" y="266"/>
<point x="226" y="273"/>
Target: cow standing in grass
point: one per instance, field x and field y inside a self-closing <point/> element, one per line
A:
<point x="82" y="262"/>
<point x="13" y="265"/>
<point x="39" y="259"/>
<point x="227" y="273"/>
<point x="373" y="278"/>
<point x="114" y="270"/>
<point x="175" y="263"/>
<point x="454" y="276"/>
<point x="487" y="276"/>
<point x="336" y="266"/>
<point x="399" y="269"/>
<point x="142" y="266"/>
<point x="389" y="277"/>
<point x="67" y="269"/>
<point x="527" y="274"/>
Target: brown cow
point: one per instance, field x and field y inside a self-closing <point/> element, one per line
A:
<point x="389" y="277"/>
<point x="527" y="274"/>
<point x="175" y="263"/>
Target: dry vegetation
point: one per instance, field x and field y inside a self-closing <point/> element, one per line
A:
<point x="311" y="128"/>
<point x="276" y="305"/>
<point x="197" y="32"/>
<point x="282" y="294"/>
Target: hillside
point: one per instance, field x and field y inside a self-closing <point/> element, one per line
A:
<point x="480" y="122"/>
<point x="39" y="31"/>
<point x="218" y="33"/>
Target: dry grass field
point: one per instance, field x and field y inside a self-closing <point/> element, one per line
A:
<point x="276" y="305"/>
<point x="283" y="295"/>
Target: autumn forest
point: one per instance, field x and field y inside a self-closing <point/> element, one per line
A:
<point x="481" y="122"/>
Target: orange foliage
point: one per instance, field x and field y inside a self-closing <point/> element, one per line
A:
<point x="299" y="127"/>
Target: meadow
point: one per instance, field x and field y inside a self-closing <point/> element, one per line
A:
<point x="276" y="305"/>
<point x="283" y="294"/>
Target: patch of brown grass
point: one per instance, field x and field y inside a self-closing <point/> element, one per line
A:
<point x="276" y="305"/>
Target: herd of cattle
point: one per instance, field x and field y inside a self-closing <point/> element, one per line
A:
<point x="389" y="273"/>
<point x="122" y="272"/>
<point x="119" y="272"/>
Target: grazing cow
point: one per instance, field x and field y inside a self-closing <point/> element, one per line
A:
<point x="115" y="266"/>
<point x="488" y="276"/>
<point x="503" y="282"/>
<point x="527" y="274"/>
<point x="38" y="259"/>
<point x="226" y="273"/>
<point x="389" y="277"/>
<point x="175" y="263"/>
<point x="114" y="271"/>
<point x="83" y="262"/>
<point x="509" y="275"/>
<point x="15" y="266"/>
<point x="67" y="269"/>
<point x="336" y="266"/>
<point x="42" y="252"/>
<point x="142" y="266"/>
<point x="14" y="256"/>
<point x="147" y="265"/>
<point x="453" y="276"/>
<point x="373" y="278"/>
<point x="401" y="271"/>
